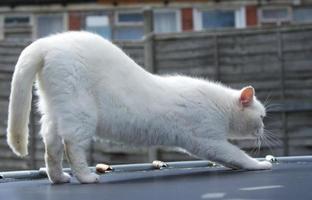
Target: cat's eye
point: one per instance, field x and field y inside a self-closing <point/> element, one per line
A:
<point x="261" y="116"/>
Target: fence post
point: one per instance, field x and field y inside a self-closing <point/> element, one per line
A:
<point x="148" y="40"/>
<point x="33" y="133"/>
<point x="91" y="152"/>
<point x="282" y="85"/>
<point x="149" y="58"/>
<point x="216" y="58"/>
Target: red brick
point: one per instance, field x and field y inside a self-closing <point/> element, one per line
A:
<point x="251" y="15"/>
<point x="74" y="21"/>
<point x="187" y="19"/>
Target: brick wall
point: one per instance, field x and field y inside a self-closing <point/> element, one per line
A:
<point x="75" y="21"/>
<point x="187" y="19"/>
<point x="116" y="2"/>
<point x="251" y="16"/>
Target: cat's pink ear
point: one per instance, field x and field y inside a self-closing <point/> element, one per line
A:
<point x="247" y="95"/>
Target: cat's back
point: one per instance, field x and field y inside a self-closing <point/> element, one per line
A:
<point x="71" y="37"/>
<point x="89" y="63"/>
<point x="87" y="54"/>
<point x="78" y="43"/>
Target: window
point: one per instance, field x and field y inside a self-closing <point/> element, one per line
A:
<point x="130" y="18"/>
<point x="129" y="33"/>
<point x="274" y="15"/>
<point x="99" y="24"/>
<point x="16" y="26"/>
<point x="11" y="21"/>
<point x="49" y="24"/>
<point x="167" y="21"/>
<point x="128" y="26"/>
<point x="219" y="18"/>
<point x="302" y="15"/>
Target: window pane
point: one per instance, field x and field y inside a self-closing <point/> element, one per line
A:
<point x="99" y="25"/>
<point x="130" y="17"/>
<point x="278" y="13"/>
<point x="218" y="18"/>
<point x="302" y="14"/>
<point x="49" y="24"/>
<point x="16" y="20"/>
<point x="129" y="33"/>
<point x="165" y="22"/>
<point x="102" y="31"/>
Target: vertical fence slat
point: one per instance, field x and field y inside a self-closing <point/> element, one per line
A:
<point x="149" y="57"/>
<point x="149" y="40"/>
<point x="216" y="58"/>
<point x="280" y="55"/>
<point x="33" y="133"/>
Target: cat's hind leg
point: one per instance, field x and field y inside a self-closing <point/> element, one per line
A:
<point x="77" y="131"/>
<point x="53" y="153"/>
<point x="77" y="158"/>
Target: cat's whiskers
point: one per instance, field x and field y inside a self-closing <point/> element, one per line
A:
<point x="254" y="149"/>
<point x="271" y="140"/>
<point x="272" y="136"/>
<point x="267" y="100"/>
<point x="268" y="115"/>
<point x="272" y="106"/>
<point x="258" y="145"/>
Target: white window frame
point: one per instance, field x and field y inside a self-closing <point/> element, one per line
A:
<point x="104" y="15"/>
<point x="35" y="20"/>
<point x="177" y="14"/>
<point x="239" y="17"/>
<point x="274" y="20"/>
<point x="118" y="23"/>
<point x="108" y="23"/>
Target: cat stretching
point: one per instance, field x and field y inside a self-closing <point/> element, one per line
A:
<point x="87" y="85"/>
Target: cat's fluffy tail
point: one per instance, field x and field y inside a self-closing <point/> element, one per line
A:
<point x="28" y="64"/>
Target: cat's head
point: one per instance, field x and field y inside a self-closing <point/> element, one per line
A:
<point x="247" y="117"/>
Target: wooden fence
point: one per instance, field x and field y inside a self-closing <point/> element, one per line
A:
<point x="276" y="61"/>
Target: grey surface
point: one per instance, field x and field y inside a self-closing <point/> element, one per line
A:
<point x="287" y="180"/>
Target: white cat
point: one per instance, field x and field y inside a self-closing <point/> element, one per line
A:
<point x="88" y="86"/>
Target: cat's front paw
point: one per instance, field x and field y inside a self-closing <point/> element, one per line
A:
<point x="263" y="165"/>
<point x="88" y="178"/>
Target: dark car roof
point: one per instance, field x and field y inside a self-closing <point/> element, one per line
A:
<point x="290" y="178"/>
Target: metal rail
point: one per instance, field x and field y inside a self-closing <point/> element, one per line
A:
<point x="41" y="173"/>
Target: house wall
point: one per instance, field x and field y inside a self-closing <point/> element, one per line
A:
<point x="77" y="12"/>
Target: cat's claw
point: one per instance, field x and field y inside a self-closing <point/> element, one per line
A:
<point x="89" y="178"/>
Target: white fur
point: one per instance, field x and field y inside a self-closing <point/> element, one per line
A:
<point x="87" y="85"/>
